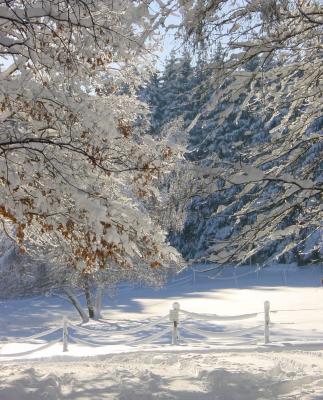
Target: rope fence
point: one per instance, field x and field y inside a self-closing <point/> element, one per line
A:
<point x="189" y="316"/>
<point x="171" y="324"/>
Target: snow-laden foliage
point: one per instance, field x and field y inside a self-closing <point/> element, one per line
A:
<point x="79" y="179"/>
<point x="281" y="175"/>
<point x="74" y="168"/>
<point x="254" y="183"/>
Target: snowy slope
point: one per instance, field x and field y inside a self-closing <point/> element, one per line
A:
<point x="239" y="368"/>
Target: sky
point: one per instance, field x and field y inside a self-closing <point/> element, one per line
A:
<point x="168" y="42"/>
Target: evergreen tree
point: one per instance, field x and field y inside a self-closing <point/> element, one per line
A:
<point x="222" y="132"/>
<point x="169" y="94"/>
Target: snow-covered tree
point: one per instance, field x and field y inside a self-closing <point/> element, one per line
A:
<point x="75" y="171"/>
<point x="22" y="275"/>
<point x="281" y="175"/>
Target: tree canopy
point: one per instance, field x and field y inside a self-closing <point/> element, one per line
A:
<point x="271" y="70"/>
<point x="74" y="168"/>
<point x="82" y="179"/>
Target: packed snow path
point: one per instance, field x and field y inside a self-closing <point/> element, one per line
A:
<point x="294" y="375"/>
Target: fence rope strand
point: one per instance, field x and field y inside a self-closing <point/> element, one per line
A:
<point x="228" y="334"/>
<point x="123" y="331"/>
<point x="32" y="337"/>
<point x="215" y="317"/>
<point x="25" y="353"/>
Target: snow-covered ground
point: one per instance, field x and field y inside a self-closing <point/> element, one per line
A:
<point x="220" y="367"/>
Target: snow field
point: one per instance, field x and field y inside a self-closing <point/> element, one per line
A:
<point x="239" y="368"/>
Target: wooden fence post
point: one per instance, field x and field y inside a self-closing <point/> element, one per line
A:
<point x="267" y="321"/>
<point x="174" y="318"/>
<point x="65" y="334"/>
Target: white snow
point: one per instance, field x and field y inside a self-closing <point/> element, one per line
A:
<point x="224" y="368"/>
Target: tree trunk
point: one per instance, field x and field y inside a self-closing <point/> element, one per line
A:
<point x="98" y="302"/>
<point x="73" y="299"/>
<point x="89" y="300"/>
